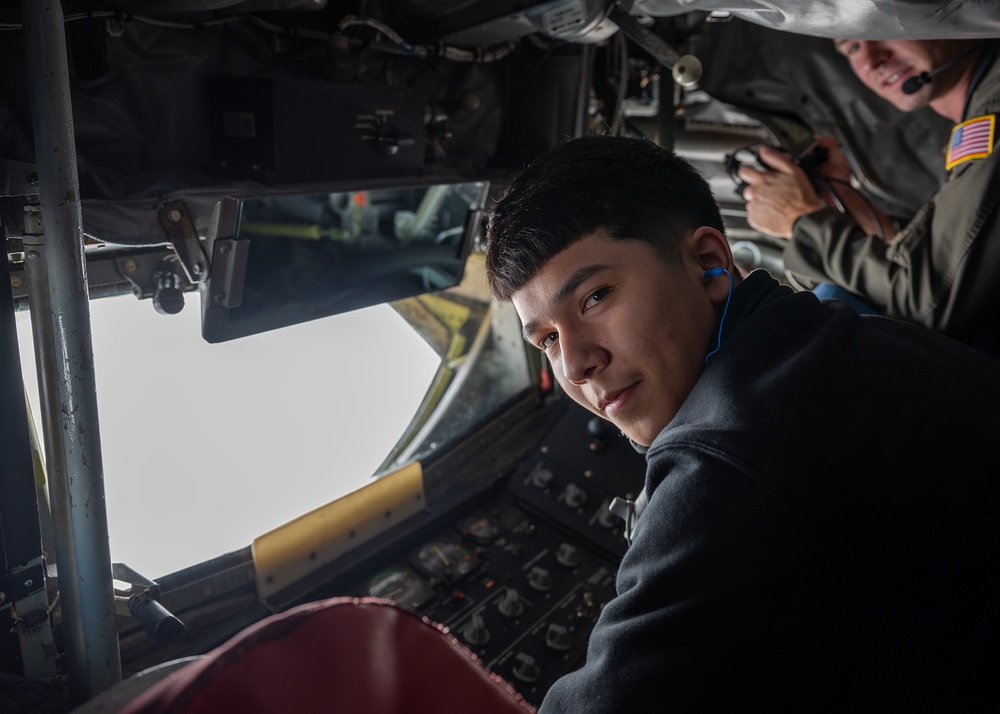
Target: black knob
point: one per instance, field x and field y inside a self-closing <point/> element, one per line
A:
<point x="168" y="301"/>
<point x="600" y="428"/>
<point x="567" y="555"/>
<point x="574" y="496"/>
<point x="387" y="146"/>
<point x="510" y="604"/>
<point x="525" y="668"/>
<point x="542" y="477"/>
<point x="557" y="638"/>
<point x="540" y="580"/>
<point x="168" y="298"/>
<point x="475" y="632"/>
<point x="606" y="517"/>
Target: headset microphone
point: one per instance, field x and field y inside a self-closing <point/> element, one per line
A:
<point x="915" y="84"/>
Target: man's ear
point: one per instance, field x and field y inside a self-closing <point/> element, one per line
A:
<point x="713" y="256"/>
<point x="711" y="249"/>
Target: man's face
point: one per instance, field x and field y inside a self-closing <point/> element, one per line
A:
<point x="625" y="332"/>
<point x="884" y="65"/>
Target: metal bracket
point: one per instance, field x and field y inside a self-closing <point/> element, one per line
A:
<point x="176" y="222"/>
<point x="143" y="604"/>
<point x="229" y="259"/>
<point x="122" y="572"/>
<point x="140" y="268"/>
<point x="33" y="628"/>
<point x="642" y="35"/>
<point x="18" y="583"/>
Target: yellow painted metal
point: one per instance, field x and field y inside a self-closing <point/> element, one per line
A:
<point x="300" y="547"/>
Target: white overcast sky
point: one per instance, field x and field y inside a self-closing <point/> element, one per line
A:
<point x="206" y="446"/>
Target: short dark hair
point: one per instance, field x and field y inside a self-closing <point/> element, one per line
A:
<point x="631" y="188"/>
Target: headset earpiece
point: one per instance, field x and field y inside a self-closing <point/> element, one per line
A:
<point x="714" y="271"/>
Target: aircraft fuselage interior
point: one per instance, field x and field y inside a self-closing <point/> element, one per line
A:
<point x="270" y="166"/>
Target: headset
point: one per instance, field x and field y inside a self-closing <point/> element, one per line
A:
<point x="711" y="273"/>
<point x="915" y="84"/>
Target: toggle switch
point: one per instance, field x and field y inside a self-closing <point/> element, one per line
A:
<point x="510" y="604"/>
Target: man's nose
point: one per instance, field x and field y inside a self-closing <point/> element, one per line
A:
<point x="582" y="356"/>
<point x="870" y="55"/>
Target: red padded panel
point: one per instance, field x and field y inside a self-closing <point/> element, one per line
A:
<point x="356" y="655"/>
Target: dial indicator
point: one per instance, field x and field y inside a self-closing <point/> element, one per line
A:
<point x="400" y="585"/>
<point x="447" y="560"/>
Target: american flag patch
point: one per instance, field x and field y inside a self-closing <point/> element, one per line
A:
<point x="971" y="139"/>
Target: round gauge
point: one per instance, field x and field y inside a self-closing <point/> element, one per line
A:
<point x="482" y="529"/>
<point x="400" y="586"/>
<point x="446" y="559"/>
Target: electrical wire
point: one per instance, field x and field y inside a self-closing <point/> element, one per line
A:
<point x="826" y="184"/>
<point x="455" y="54"/>
<point x="622" y="48"/>
<point x="869" y="205"/>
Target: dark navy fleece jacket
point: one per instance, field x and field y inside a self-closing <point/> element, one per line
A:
<point x="822" y="527"/>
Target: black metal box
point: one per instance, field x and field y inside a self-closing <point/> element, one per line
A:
<point x="307" y="130"/>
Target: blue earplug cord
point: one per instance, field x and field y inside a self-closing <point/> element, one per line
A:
<point x="711" y="274"/>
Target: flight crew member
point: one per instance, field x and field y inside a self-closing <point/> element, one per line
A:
<point x="823" y="505"/>
<point x="939" y="270"/>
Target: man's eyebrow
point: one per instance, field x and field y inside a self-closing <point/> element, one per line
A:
<point x="528" y="330"/>
<point x="568" y="287"/>
<point x="576" y="279"/>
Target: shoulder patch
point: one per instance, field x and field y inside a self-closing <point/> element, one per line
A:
<point x="972" y="139"/>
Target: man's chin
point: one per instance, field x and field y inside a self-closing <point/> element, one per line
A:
<point x="641" y="436"/>
<point x="911" y="102"/>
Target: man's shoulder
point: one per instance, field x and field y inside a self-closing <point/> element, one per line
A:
<point x="986" y="97"/>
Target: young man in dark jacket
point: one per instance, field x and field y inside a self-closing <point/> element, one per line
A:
<point x="822" y="487"/>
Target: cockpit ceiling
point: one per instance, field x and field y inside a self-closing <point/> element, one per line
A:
<point x="857" y="19"/>
<point x="861" y="19"/>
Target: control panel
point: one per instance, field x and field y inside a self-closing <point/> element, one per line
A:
<point x="521" y="581"/>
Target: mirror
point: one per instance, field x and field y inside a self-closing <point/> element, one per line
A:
<point x="279" y="260"/>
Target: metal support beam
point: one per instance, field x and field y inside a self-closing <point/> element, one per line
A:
<point x="60" y="313"/>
